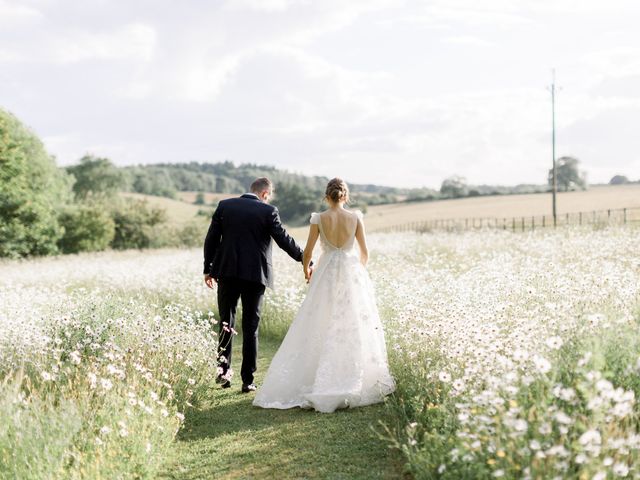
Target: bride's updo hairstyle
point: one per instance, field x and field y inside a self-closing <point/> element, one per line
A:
<point x="337" y="190"/>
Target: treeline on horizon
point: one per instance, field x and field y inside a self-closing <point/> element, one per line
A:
<point x="297" y="194"/>
<point x="45" y="209"/>
<point x="169" y="179"/>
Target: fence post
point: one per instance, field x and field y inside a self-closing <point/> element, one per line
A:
<point x="567" y="220"/>
<point x="504" y="223"/>
<point x="544" y="221"/>
<point x="580" y="218"/>
<point x="624" y="214"/>
<point x="514" y="223"/>
<point x="533" y="223"/>
<point x="523" y="224"/>
<point x="608" y="215"/>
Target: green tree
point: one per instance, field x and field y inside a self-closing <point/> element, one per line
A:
<point x="295" y="203"/>
<point x="618" y="180"/>
<point x="96" y="178"/>
<point x="568" y="175"/>
<point x="221" y="185"/>
<point x="454" y="187"/>
<point x="199" y="198"/>
<point x="32" y="189"/>
<point x="87" y="228"/>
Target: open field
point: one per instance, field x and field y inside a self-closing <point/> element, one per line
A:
<point x="383" y="216"/>
<point x="209" y="198"/>
<point x="515" y="356"/>
<point x="179" y="213"/>
<point x="501" y="206"/>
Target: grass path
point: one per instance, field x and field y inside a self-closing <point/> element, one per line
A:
<point x="228" y="438"/>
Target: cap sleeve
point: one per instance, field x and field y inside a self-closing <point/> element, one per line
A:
<point x="315" y="218"/>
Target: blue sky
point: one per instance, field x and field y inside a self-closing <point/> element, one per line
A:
<point x="392" y="92"/>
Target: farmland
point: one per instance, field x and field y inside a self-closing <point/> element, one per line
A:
<point x="506" y="206"/>
<point x="384" y="216"/>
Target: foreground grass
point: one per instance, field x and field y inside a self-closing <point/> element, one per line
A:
<point x="229" y="438"/>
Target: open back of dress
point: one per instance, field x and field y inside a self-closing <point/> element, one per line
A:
<point x="338" y="230"/>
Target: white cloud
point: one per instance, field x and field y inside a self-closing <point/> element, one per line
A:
<point x="133" y="42"/>
<point x="264" y="5"/>
<point x="389" y="91"/>
<point x="468" y="40"/>
<point x="14" y="15"/>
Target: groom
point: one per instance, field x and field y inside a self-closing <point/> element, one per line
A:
<point x="237" y="256"/>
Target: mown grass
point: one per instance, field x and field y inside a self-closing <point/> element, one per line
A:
<point x="228" y="438"/>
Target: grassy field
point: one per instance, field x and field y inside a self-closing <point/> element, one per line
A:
<point x="209" y="198"/>
<point x="179" y="213"/>
<point x="501" y="206"/>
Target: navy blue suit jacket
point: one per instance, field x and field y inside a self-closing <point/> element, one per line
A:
<point x="238" y="243"/>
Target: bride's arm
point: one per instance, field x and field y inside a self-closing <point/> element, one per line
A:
<point x="362" y="242"/>
<point x="314" y="232"/>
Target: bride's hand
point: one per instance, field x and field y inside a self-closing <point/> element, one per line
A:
<point x="307" y="274"/>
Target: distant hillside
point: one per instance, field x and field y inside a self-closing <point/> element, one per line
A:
<point x="296" y="194"/>
<point x="204" y="184"/>
<point x="225" y="177"/>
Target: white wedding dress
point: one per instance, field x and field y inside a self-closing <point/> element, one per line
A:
<point x="334" y="354"/>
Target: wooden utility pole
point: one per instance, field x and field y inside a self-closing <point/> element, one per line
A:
<point x="554" y="186"/>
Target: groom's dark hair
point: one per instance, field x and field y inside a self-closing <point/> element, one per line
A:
<point x="261" y="184"/>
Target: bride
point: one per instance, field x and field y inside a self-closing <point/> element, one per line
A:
<point x="334" y="354"/>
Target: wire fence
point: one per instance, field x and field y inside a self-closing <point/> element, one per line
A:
<point x="619" y="216"/>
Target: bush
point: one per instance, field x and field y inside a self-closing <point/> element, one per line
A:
<point x="136" y="225"/>
<point x="86" y="229"/>
<point x="192" y="235"/>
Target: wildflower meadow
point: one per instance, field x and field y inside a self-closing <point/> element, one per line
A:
<point x="515" y="355"/>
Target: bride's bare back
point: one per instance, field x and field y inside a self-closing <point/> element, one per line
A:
<point x="338" y="226"/>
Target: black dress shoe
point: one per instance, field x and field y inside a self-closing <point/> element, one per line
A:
<point x="250" y="387"/>
<point x="224" y="383"/>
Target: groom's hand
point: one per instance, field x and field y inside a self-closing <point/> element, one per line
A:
<point x="209" y="280"/>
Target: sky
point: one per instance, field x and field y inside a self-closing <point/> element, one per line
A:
<point x="394" y="92"/>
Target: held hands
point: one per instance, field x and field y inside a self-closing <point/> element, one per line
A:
<point x="209" y="280"/>
<point x="308" y="271"/>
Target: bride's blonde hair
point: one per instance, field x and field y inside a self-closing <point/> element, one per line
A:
<point x="337" y="190"/>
